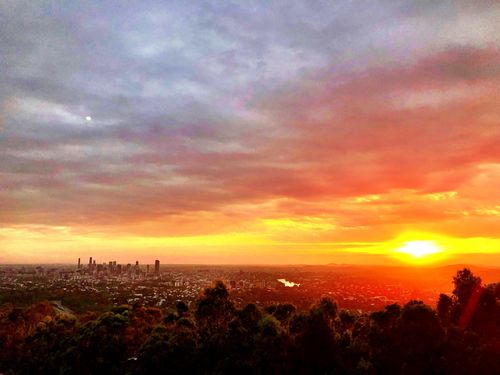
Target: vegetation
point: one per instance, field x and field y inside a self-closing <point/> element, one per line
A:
<point x="462" y="336"/>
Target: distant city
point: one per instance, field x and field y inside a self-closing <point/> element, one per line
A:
<point x="98" y="286"/>
<point x="112" y="269"/>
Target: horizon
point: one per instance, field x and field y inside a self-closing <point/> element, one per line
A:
<point x="226" y="133"/>
<point x="389" y="265"/>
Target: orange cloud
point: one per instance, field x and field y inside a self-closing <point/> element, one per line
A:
<point x="421" y="137"/>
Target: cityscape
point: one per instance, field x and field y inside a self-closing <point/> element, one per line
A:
<point x="158" y="285"/>
<point x="132" y="318"/>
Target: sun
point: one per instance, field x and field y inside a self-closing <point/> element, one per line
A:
<point x="419" y="252"/>
<point x="419" y="249"/>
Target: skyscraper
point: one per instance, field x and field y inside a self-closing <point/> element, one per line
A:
<point x="157" y="268"/>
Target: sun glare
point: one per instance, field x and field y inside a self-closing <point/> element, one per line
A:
<point x="419" y="249"/>
<point x="419" y="252"/>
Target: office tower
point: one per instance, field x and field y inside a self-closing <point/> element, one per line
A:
<point x="157" y="268"/>
<point x="90" y="263"/>
<point x="79" y="265"/>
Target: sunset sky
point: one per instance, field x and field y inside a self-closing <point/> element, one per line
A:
<point x="249" y="132"/>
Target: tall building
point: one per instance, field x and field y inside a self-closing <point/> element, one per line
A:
<point x="79" y="265"/>
<point x="90" y="263"/>
<point x="157" y="268"/>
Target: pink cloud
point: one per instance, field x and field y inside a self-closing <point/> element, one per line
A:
<point x="426" y="127"/>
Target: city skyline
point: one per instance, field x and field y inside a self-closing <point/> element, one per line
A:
<point x="255" y="133"/>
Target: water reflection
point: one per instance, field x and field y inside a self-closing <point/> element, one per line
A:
<point x="288" y="283"/>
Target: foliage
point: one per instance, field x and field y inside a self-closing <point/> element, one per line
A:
<point x="214" y="337"/>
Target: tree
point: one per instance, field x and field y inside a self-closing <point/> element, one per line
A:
<point x="174" y="351"/>
<point x="444" y="306"/>
<point x="465" y="282"/>
<point x="282" y="311"/>
<point x="468" y="292"/>
<point x="214" y="310"/>
<point x="181" y="308"/>
<point x="382" y="339"/>
<point x="315" y="349"/>
<point x="270" y="355"/>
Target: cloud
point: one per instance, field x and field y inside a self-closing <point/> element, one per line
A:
<point x="213" y="117"/>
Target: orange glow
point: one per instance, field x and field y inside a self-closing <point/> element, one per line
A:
<point x="275" y="241"/>
<point x="419" y="249"/>
<point x="422" y="248"/>
<point x="279" y="152"/>
<point x="420" y="252"/>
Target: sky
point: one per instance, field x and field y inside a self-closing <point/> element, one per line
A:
<point x="249" y="132"/>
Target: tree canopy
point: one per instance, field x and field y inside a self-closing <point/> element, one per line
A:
<point x="214" y="337"/>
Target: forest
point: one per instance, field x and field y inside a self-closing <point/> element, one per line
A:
<point x="461" y="335"/>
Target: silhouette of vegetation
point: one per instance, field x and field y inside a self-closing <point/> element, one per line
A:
<point x="212" y="336"/>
